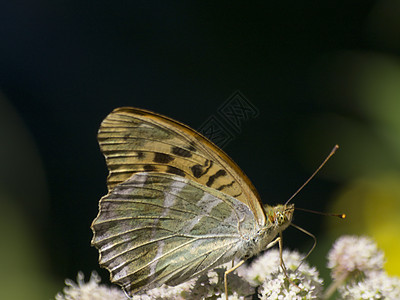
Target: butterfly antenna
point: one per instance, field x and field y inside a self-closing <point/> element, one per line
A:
<point x="315" y="172"/>
<point x="341" y="216"/>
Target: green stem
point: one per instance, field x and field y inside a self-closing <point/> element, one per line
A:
<point x="334" y="285"/>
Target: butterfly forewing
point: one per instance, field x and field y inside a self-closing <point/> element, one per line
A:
<point x="157" y="228"/>
<point x="135" y="140"/>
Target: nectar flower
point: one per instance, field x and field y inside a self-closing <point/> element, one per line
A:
<point x="377" y="285"/>
<point x="235" y="296"/>
<point x="211" y="285"/>
<point x="261" y="267"/>
<point x="304" y="280"/>
<point x="350" y="254"/>
<point x="91" y="290"/>
<point x="165" y="292"/>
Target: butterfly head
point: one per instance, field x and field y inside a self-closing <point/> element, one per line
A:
<point x="279" y="216"/>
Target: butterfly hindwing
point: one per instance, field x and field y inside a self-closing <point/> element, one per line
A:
<point x="160" y="228"/>
<point x="135" y="140"/>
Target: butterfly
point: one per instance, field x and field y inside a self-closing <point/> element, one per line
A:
<point x="177" y="205"/>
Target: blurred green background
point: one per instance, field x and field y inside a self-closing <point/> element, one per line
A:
<point x="319" y="72"/>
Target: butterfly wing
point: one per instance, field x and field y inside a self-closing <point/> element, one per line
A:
<point x="135" y="140"/>
<point x="159" y="228"/>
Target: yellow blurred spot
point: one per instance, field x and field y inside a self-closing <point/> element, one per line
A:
<point x="373" y="206"/>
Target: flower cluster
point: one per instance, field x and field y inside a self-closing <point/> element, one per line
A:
<point x="179" y="292"/>
<point x="211" y="285"/>
<point x="207" y="286"/>
<point x="375" y="286"/>
<point x="351" y="254"/>
<point x="297" y="281"/>
<point x="91" y="290"/>
<point x="356" y="266"/>
<point x="357" y="270"/>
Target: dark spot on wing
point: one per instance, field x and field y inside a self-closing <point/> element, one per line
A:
<point x="140" y="155"/>
<point x="197" y="170"/>
<point x="176" y="171"/>
<point x="225" y="186"/>
<point x="149" y="168"/>
<point x="162" y="158"/>
<point x="212" y="178"/>
<point x="181" y="152"/>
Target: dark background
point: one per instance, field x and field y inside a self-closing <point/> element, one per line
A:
<point x="66" y="64"/>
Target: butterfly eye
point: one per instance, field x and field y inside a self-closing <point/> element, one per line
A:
<point x="281" y="218"/>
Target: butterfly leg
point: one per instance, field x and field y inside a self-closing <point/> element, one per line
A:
<point x="281" y="254"/>
<point x="282" y="262"/>
<point x="226" y="274"/>
<point x="273" y="243"/>
<point x="127" y="294"/>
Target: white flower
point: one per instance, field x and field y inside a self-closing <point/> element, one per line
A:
<point x="304" y="280"/>
<point x="211" y="285"/>
<point x="377" y="285"/>
<point x="351" y="253"/>
<point x="167" y="292"/>
<point x="300" y="286"/>
<point x="235" y="296"/>
<point x="91" y="290"/>
<point x="261" y="267"/>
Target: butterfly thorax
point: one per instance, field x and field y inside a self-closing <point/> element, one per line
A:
<point x="278" y="219"/>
